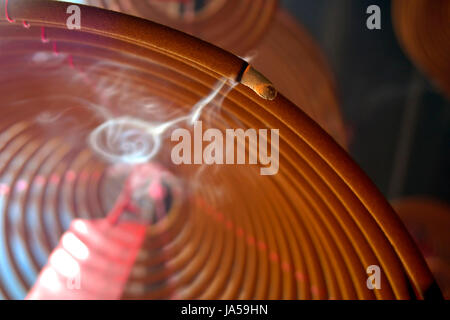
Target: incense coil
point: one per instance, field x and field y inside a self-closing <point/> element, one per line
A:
<point x="308" y="232"/>
<point x="422" y="29"/>
<point x="275" y="43"/>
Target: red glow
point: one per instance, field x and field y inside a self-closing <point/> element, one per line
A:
<point x="6" y="13"/>
<point x="43" y="36"/>
<point x="4" y="189"/>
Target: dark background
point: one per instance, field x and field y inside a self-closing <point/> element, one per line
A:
<point x="399" y="124"/>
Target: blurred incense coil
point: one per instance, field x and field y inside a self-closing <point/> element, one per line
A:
<point x="428" y="220"/>
<point x="308" y="232"/>
<point x="231" y="24"/>
<point x="423" y="30"/>
<point x="274" y="42"/>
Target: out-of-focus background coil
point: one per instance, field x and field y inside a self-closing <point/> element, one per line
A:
<point x="422" y="29"/>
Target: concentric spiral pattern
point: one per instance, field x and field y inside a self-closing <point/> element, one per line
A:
<point x="267" y="35"/>
<point x="310" y="231"/>
<point x="422" y="29"/>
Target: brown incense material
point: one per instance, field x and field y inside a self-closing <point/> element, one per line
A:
<point x="258" y="83"/>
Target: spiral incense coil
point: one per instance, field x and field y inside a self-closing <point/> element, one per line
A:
<point x="274" y="42"/>
<point x="422" y="29"/>
<point x="308" y="232"/>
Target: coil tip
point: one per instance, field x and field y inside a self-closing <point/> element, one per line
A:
<point x="258" y="83"/>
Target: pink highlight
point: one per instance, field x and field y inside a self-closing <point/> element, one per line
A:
<point x="299" y="276"/>
<point x="274" y="256"/>
<point x="26" y="25"/>
<point x="54" y="178"/>
<point x="219" y="216"/>
<point x="70" y="61"/>
<point x="315" y="290"/>
<point x="4" y="189"/>
<point x="156" y="191"/>
<point x="262" y="246"/>
<point x="40" y="180"/>
<point x="43" y="36"/>
<point x="96" y="175"/>
<point x="175" y="296"/>
<point x="70" y="175"/>
<point x="55" y="49"/>
<point x="286" y="266"/>
<point x="8" y="18"/>
<point x="22" y="185"/>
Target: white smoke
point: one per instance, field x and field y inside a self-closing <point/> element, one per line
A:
<point x="130" y="140"/>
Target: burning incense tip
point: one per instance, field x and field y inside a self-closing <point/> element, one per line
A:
<point x="258" y="83"/>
